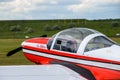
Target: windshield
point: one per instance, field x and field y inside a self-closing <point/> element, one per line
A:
<point x="98" y="43"/>
<point x="70" y="39"/>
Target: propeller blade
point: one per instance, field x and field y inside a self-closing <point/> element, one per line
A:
<point x="19" y="48"/>
<point x="44" y="35"/>
<point x="14" y="51"/>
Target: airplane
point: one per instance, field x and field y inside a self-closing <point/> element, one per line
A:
<point x="85" y="51"/>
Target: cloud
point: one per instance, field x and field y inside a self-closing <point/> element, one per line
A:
<point x="25" y="5"/>
<point x="52" y="9"/>
<point x="92" y="5"/>
<point x="6" y="0"/>
<point x="21" y="8"/>
<point x="96" y="9"/>
<point x="18" y="9"/>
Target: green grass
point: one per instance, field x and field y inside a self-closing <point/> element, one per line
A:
<point x="116" y="39"/>
<point x="17" y="59"/>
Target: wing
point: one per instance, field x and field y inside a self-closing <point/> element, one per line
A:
<point x="38" y="72"/>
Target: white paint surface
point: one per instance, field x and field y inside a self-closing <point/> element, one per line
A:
<point x="38" y="72"/>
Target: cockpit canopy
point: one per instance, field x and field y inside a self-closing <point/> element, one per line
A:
<point x="78" y="40"/>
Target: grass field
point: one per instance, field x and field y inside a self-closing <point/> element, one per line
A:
<point x="17" y="59"/>
<point x="109" y="27"/>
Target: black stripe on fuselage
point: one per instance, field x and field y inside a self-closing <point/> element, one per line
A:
<point x="80" y="70"/>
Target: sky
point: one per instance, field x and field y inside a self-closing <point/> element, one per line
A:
<point x="59" y="9"/>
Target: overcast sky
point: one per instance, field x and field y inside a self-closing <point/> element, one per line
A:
<point x="59" y="9"/>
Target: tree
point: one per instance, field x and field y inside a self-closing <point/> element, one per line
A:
<point x="56" y="27"/>
<point x="71" y="25"/>
<point x="15" y="28"/>
<point x="115" y="24"/>
<point x="47" y="28"/>
<point x="30" y="30"/>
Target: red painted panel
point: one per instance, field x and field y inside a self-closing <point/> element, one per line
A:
<point x="38" y="40"/>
